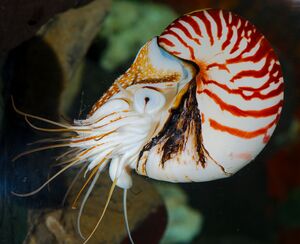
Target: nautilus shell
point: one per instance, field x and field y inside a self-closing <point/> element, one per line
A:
<point x="199" y="102"/>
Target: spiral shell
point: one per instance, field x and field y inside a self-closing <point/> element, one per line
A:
<point x="239" y="96"/>
<point x="198" y="103"/>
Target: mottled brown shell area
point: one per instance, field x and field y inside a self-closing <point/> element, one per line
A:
<point x="183" y="123"/>
<point x="141" y="72"/>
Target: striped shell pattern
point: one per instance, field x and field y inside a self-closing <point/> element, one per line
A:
<point x="199" y="102"/>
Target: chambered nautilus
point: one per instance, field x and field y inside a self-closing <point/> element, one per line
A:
<point x="199" y="102"/>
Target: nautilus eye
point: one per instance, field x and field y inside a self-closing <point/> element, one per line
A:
<point x="148" y="100"/>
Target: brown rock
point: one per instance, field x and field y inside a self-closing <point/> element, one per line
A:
<point x="69" y="35"/>
<point x="19" y="20"/>
<point x="58" y="226"/>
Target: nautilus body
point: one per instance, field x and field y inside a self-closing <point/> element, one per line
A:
<point x="199" y="102"/>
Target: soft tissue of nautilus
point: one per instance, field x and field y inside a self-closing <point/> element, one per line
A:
<point x="199" y="102"/>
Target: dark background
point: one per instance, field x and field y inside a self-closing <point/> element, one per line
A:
<point x="260" y="204"/>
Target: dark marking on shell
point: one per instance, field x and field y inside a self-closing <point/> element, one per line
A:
<point x="184" y="121"/>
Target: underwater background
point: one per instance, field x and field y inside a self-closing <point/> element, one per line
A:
<point x="58" y="57"/>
